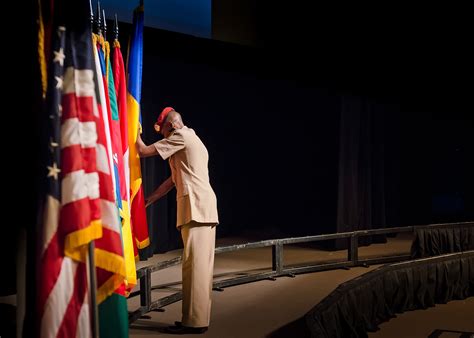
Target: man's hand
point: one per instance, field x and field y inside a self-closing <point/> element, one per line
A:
<point x="161" y="191"/>
<point x="149" y="201"/>
<point x="142" y="149"/>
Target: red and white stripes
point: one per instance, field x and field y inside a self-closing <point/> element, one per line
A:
<point x="71" y="224"/>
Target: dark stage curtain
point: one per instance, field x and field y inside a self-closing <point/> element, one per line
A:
<point x="437" y="241"/>
<point x="361" y="189"/>
<point x="161" y="216"/>
<point x="360" y="305"/>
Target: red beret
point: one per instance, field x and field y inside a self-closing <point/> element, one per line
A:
<point x="163" y="115"/>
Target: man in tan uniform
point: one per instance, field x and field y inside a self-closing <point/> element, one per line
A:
<point x="196" y="214"/>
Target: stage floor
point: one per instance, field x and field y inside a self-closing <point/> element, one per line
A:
<point x="275" y="308"/>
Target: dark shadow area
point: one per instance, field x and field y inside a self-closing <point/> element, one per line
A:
<point x="297" y="328"/>
<point x="8" y="316"/>
<point x="449" y="333"/>
<point x="150" y="325"/>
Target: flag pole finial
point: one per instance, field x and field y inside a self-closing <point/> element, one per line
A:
<point x="98" y="20"/>
<point x="104" y="24"/>
<point x="116" y="28"/>
<point x="91" y="14"/>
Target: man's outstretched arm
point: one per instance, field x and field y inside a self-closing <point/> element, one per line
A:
<point x="144" y="150"/>
<point x="161" y="191"/>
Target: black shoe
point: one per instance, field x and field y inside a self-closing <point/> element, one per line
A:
<point x="176" y="323"/>
<point x="185" y="329"/>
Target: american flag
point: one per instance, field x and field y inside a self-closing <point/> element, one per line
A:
<point x="72" y="217"/>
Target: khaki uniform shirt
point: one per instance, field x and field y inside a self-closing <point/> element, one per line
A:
<point x="188" y="158"/>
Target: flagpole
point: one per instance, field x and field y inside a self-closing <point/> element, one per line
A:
<point x="93" y="283"/>
<point x="91" y="247"/>
<point x="98" y="20"/>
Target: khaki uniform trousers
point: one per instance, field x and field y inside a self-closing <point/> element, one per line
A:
<point x="198" y="269"/>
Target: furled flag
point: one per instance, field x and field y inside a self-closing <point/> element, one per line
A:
<point x="111" y="271"/>
<point x="134" y="86"/>
<point x="121" y="92"/>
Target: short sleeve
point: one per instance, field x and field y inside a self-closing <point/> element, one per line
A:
<point x="171" y="145"/>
